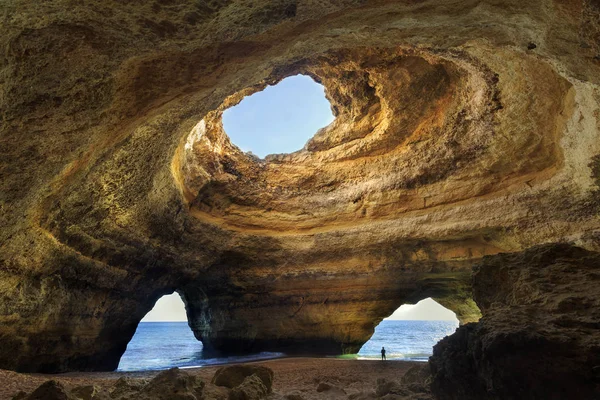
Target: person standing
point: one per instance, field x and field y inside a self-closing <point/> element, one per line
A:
<point x="383" y="354"/>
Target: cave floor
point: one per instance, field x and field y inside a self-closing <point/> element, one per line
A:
<point x="292" y="375"/>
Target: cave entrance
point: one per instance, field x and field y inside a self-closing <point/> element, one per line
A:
<point x="279" y="119"/>
<point x="411" y="331"/>
<point x="163" y="339"/>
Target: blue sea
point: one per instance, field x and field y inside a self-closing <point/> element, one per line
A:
<point x="161" y="345"/>
<point x="406" y="340"/>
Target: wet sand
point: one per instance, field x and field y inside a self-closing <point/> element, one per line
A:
<point x="292" y="375"/>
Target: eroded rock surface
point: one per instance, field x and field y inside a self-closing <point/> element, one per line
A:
<point x="252" y="388"/>
<point x="539" y="337"/>
<point x="172" y="384"/>
<point x="50" y="390"/>
<point x="454" y="138"/>
<point x="234" y="375"/>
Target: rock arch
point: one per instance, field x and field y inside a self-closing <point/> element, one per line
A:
<point x="454" y="140"/>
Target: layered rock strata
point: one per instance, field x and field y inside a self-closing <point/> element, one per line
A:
<point x="539" y="337"/>
<point x="462" y="129"/>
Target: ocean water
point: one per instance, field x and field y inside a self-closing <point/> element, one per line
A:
<point x="161" y="345"/>
<point x="406" y="340"/>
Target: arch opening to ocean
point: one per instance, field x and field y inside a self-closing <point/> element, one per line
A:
<point x="410" y="332"/>
<point x="163" y="339"/>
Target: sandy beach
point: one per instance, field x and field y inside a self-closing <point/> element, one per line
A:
<point x="292" y="375"/>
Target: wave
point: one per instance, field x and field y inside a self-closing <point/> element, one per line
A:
<point x="198" y="362"/>
<point x="396" y="356"/>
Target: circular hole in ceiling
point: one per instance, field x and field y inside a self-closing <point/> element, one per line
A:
<point x="279" y="119"/>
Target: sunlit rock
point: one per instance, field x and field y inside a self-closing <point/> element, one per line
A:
<point x="454" y="138"/>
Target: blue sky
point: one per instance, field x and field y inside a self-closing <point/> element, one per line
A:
<point x="280" y="119"/>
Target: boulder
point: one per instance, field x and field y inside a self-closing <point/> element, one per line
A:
<point x="88" y="392"/>
<point x="252" y="388"/>
<point x="173" y="384"/>
<point x="51" y="390"/>
<point x="127" y="388"/>
<point x="234" y="375"/>
<point x="214" y="392"/>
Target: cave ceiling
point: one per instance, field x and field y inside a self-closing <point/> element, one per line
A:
<point x="463" y="129"/>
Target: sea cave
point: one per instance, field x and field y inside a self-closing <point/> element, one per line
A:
<point x="461" y="164"/>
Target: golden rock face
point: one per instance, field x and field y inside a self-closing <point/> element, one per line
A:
<point x="455" y="137"/>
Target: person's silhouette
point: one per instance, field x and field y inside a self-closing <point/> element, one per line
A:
<point x="383" y="354"/>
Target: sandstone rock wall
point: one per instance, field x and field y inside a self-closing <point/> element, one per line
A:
<point x="539" y="336"/>
<point x="455" y="138"/>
